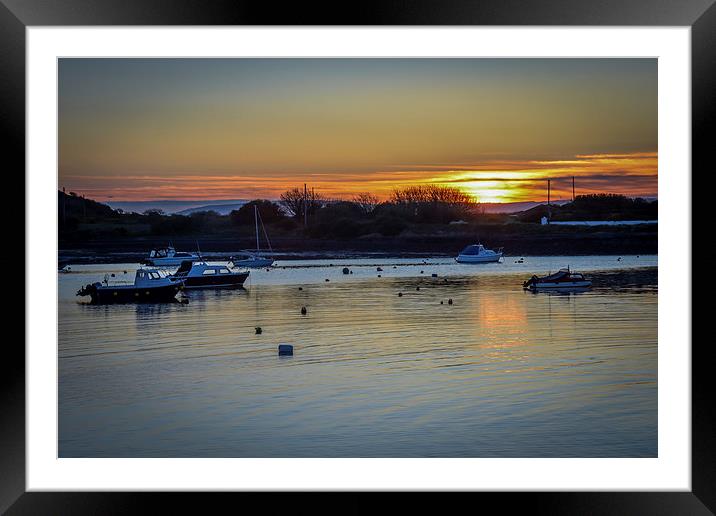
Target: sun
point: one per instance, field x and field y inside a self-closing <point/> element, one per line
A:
<point x="488" y="191"/>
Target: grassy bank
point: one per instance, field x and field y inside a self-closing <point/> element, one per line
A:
<point x="517" y="240"/>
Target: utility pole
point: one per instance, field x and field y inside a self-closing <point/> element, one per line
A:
<point x="549" y="192"/>
<point x="305" y="205"/>
<point x="573" y="196"/>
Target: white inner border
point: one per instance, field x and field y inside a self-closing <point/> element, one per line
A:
<point x="670" y="471"/>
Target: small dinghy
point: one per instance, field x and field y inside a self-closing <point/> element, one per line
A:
<point x="562" y="279"/>
<point x="203" y="275"/>
<point x="478" y="254"/>
<point x="150" y="286"/>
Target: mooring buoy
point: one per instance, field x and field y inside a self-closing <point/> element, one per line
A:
<point x="285" y="349"/>
<point x="258" y="330"/>
<point x="450" y="301"/>
<point x="400" y="294"/>
<point x="303" y="310"/>
<point x="346" y="270"/>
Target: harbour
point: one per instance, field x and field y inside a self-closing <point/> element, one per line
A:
<point x="383" y="366"/>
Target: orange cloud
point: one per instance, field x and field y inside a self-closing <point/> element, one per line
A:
<point x="495" y="180"/>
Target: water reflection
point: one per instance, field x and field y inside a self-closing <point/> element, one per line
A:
<point x="498" y="373"/>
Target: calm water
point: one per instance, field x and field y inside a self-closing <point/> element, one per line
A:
<point x="499" y="373"/>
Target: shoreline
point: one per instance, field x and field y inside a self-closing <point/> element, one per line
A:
<point x="572" y="242"/>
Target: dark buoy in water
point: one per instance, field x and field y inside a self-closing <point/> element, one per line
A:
<point x="327" y="279"/>
<point x="258" y="330"/>
<point x="346" y="270"/>
<point x="379" y="269"/>
<point x="417" y="288"/>
<point x="380" y="276"/>
<point x="400" y="294"/>
<point x="421" y="272"/>
<point x="113" y="274"/>
<point x="303" y="310"/>
<point x="300" y="288"/>
<point x="619" y="259"/>
<point x="441" y="302"/>
<point x="434" y="275"/>
<point x="450" y="301"/>
<point x="351" y="272"/>
<point x="395" y="267"/>
<point x="285" y="349"/>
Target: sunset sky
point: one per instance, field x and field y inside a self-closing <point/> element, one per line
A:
<point x="151" y="129"/>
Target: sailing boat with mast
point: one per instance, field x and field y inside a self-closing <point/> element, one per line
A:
<point x="253" y="259"/>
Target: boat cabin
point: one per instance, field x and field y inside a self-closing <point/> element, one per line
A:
<point x="472" y="250"/>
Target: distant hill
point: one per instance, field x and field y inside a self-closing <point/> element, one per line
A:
<point x="173" y="206"/>
<point x="221" y="209"/>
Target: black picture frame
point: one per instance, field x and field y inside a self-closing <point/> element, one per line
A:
<point x="16" y="15"/>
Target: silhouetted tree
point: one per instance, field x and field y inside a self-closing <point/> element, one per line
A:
<point x="269" y="211"/>
<point x="295" y="199"/>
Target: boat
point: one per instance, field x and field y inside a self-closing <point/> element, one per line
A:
<point x="562" y="279"/>
<point x="477" y="253"/>
<point x="167" y="256"/>
<point x="149" y="286"/>
<point x="203" y="275"/>
<point x="253" y="259"/>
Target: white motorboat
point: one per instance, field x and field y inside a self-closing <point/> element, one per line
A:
<point x="167" y="257"/>
<point x="477" y="253"/>
<point x="562" y="279"/>
<point x="253" y="259"/>
<point x="204" y="275"/>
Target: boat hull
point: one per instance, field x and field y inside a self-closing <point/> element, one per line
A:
<point x="558" y="285"/>
<point x="166" y="262"/>
<point x="478" y="259"/>
<point x="216" y="281"/>
<point x="112" y="295"/>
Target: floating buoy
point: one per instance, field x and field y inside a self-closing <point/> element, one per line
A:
<point x="379" y="269"/>
<point x="421" y="272"/>
<point x="434" y="275"/>
<point x="327" y="279"/>
<point x="450" y="301"/>
<point x="258" y="330"/>
<point x="303" y="310"/>
<point x="300" y="288"/>
<point x="285" y="349"/>
<point x="417" y="288"/>
<point x="351" y="272"/>
<point x="397" y="267"/>
<point x="400" y="294"/>
<point x="346" y="270"/>
<point x="113" y="274"/>
<point x="441" y="302"/>
<point x="380" y="276"/>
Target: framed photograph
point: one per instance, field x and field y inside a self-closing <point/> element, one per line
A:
<point x="441" y="249"/>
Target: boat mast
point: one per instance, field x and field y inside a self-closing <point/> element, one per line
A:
<point x="256" y="222"/>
